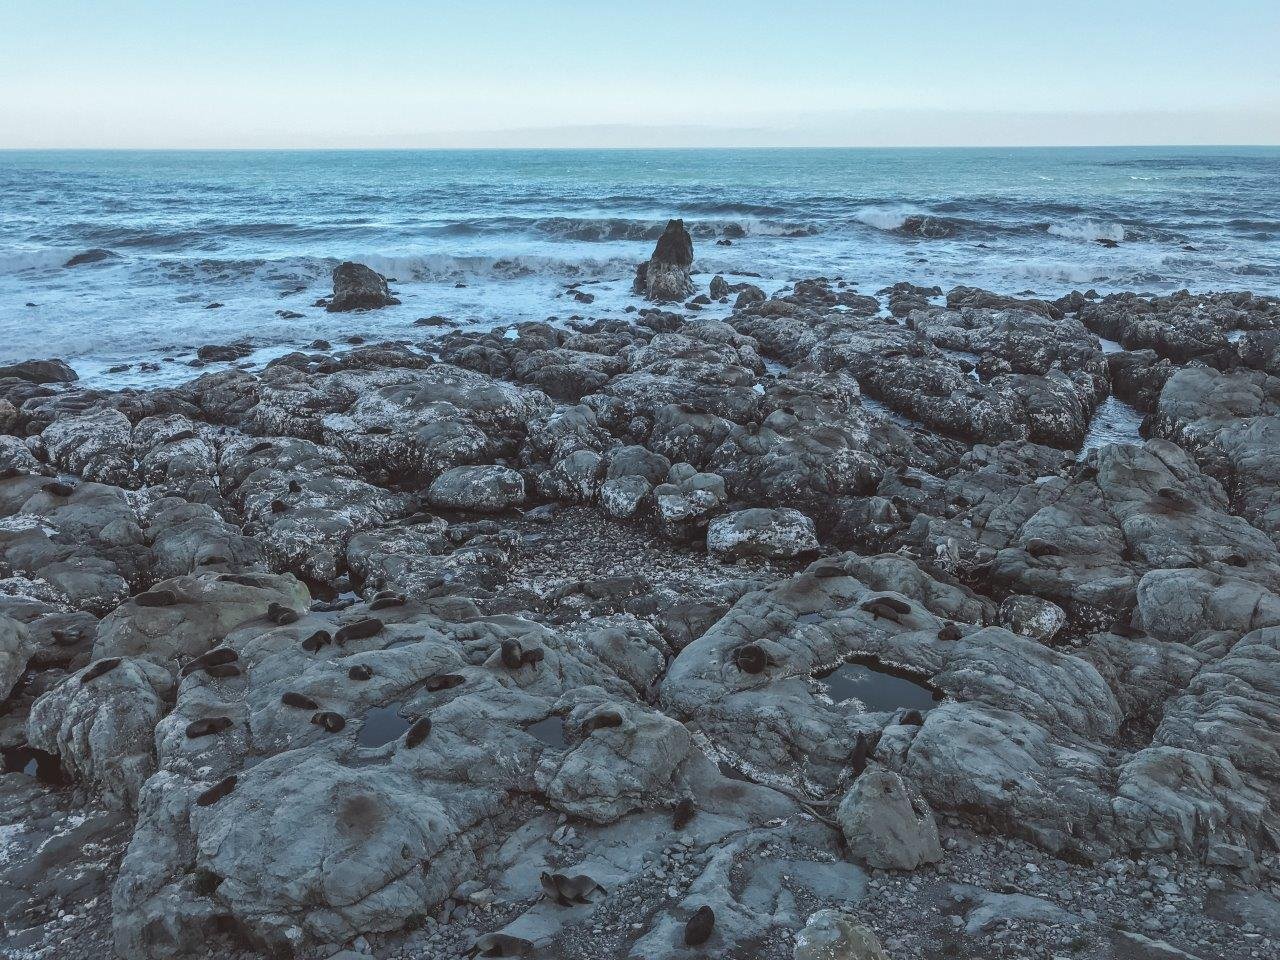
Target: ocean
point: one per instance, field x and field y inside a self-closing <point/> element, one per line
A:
<point x="489" y="238"/>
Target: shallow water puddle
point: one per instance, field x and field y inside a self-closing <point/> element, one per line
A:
<point x="878" y="688"/>
<point x="1113" y="422"/>
<point x="550" y="731"/>
<point x="382" y="725"/>
<point x="888" y="413"/>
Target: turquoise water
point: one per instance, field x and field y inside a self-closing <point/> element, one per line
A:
<point x="492" y="237"/>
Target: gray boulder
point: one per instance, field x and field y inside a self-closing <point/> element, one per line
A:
<point x="488" y="489"/>
<point x="885" y="826"/>
<point x="664" y="278"/>
<point x="776" y="534"/>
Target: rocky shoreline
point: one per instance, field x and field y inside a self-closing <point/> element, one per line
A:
<point x="821" y="631"/>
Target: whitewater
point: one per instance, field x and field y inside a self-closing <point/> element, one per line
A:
<point x="194" y="248"/>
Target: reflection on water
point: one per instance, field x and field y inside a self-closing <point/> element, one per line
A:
<point x="878" y="688"/>
<point x="382" y="725"/>
<point x="550" y="731"/>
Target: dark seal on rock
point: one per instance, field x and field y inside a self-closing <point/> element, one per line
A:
<point x="99" y="668"/>
<point x="359" y="630"/>
<point x="320" y="638"/>
<point x="501" y="945"/>
<point x="683" y="813"/>
<point x="330" y="721"/>
<point x="568" y="891"/>
<point x="601" y="721"/>
<point x="211" y="659"/>
<point x="888" y="608"/>
<point x="512" y="656"/>
<point x="949" y="632"/>
<point x="207" y="726"/>
<point x="698" y="930"/>
<point x="444" y="681"/>
<point x="216" y="792"/>
<point x="56" y="488"/>
<point x="278" y="613"/>
<point x="156" y="598"/>
<point x="301" y="701"/>
<point x="360" y="671"/>
<point x="751" y="658"/>
<point x="418" y="732"/>
<point x="220" y="671"/>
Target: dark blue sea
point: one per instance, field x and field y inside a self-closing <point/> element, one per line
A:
<point x="494" y="237"/>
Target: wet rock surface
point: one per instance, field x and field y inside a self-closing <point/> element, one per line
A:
<point x="818" y="631"/>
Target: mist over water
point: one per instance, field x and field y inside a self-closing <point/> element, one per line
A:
<point x="490" y="238"/>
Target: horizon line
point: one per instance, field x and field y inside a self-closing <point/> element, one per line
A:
<point x="616" y="147"/>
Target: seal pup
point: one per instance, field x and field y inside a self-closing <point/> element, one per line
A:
<point x="281" y="615"/>
<point x="213" y="658"/>
<point x="156" y="598"/>
<point x="683" y="814"/>
<point x="220" y="671"/>
<point x="861" y="753"/>
<point x="568" y="891"/>
<point x="98" y="669"/>
<point x="698" y="930"/>
<point x="359" y="630"/>
<point x="56" y="488"/>
<point x="443" y="681"/>
<point x="360" y="672"/>
<point x="500" y="945"/>
<point x="1038" y="548"/>
<point x="207" y="726"/>
<point x="531" y="658"/>
<point x="601" y="721"/>
<point x="330" y="721"/>
<point x="259" y="448"/>
<point x="887" y="608"/>
<point x="512" y="655"/>
<point x="752" y="658"/>
<point x="299" y="700"/>
<point x="420" y="730"/>
<point x="387" y="598"/>
<point x="948" y="632"/>
<point x="216" y="792"/>
<point x="313" y="643"/>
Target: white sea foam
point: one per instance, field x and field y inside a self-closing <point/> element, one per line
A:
<point x="887" y="218"/>
<point x="1087" y="230"/>
<point x="18" y="261"/>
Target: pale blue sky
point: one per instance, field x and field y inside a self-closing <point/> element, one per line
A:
<point x="386" y="73"/>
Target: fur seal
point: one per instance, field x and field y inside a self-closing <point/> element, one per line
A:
<point x="156" y="598"/>
<point x="683" y="814"/>
<point x="1042" y="548"/>
<point x="299" y="700"/>
<point x="259" y="448"/>
<point x="359" y="630"/>
<point x="887" y="608"/>
<point x="829" y="571"/>
<point x="220" y="671"/>
<point x="911" y="718"/>
<point x="244" y="580"/>
<point x="279" y="506"/>
<point x="501" y="945"/>
<point x="64" y="638"/>
<point x="212" y="560"/>
<point x="279" y="614"/>
<point x="330" y="721"/>
<point x="418" y="732"/>
<point x="1174" y="499"/>
<point x="216" y="792"/>
<point x="180" y="436"/>
<point x="751" y="658"/>
<point x="512" y="655"/>
<point x="295" y="486"/>
<point x="568" y="891"/>
<point x="55" y="488"/>
<point x="601" y="721"/>
<point x="531" y="658"/>
<point x="211" y="659"/>
<point x="313" y="643"/>
<point x="98" y="669"/>
<point x="949" y="632"/>
<point x="383" y="602"/>
<point x="360" y="672"/>
<point x="861" y="753"/>
<point x="443" y="681"/>
<point x="698" y="930"/>
<point x="207" y="726"/>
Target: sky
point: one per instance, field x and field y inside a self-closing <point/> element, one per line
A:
<point x="562" y="73"/>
